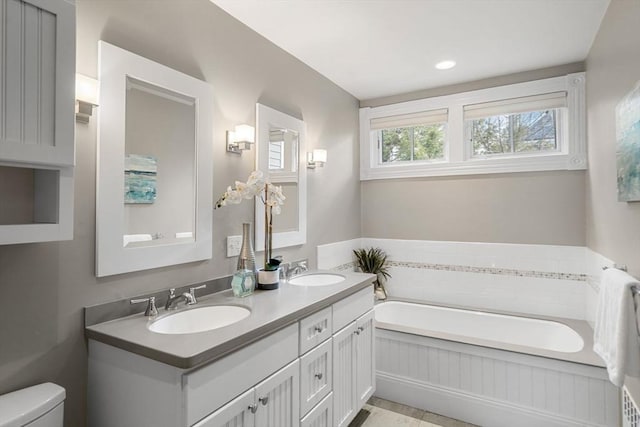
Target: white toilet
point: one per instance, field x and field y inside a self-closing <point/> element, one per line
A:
<point x="38" y="406"/>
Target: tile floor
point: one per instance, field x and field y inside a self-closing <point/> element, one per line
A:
<point x="384" y="413"/>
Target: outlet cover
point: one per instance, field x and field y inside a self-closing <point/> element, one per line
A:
<point x="234" y="243"/>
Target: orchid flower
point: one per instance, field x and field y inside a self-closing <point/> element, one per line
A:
<point x="271" y="195"/>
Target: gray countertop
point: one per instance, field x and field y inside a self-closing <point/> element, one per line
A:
<point x="270" y="311"/>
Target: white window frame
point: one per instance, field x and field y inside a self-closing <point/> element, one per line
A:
<point x="572" y="153"/>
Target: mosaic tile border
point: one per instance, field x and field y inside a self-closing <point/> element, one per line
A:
<point x="482" y="270"/>
<point x="490" y="270"/>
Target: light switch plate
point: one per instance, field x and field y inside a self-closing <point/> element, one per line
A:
<point x="234" y="243"/>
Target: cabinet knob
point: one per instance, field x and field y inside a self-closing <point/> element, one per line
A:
<point x="264" y="400"/>
<point x="357" y="332"/>
<point x="360" y="328"/>
<point x="318" y="329"/>
<point x="253" y="408"/>
<point x="318" y="375"/>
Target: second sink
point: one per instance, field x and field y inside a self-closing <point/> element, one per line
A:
<point x="316" y="279"/>
<point x="199" y="319"/>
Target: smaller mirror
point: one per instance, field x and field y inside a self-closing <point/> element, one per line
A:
<point x="280" y="140"/>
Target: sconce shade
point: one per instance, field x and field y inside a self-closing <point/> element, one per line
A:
<point x="240" y="139"/>
<point x="86" y="89"/>
<point x="86" y="97"/>
<point x="320" y="156"/>
<point x="317" y="157"/>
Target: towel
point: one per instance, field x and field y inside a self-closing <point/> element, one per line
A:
<point x="616" y="337"/>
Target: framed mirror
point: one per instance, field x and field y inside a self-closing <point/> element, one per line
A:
<point x="280" y="154"/>
<point x="154" y="187"/>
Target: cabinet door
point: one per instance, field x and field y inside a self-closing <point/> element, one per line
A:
<point x="37" y="65"/>
<point x="237" y="413"/>
<point x="365" y="364"/>
<point x="344" y="368"/>
<point x="278" y="398"/>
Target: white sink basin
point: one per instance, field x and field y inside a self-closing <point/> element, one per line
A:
<point x="199" y="319"/>
<point x="317" y="279"/>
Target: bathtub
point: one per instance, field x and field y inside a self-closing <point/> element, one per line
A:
<point x="492" y="369"/>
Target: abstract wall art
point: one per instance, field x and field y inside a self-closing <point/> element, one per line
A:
<point x="139" y="179"/>
<point x="628" y="146"/>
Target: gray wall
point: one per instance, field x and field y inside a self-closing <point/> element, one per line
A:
<point x="613" y="67"/>
<point x="43" y="287"/>
<point x="543" y="208"/>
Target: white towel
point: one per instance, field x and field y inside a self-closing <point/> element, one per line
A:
<point x="616" y="337"/>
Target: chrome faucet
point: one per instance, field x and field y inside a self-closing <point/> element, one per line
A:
<point x="296" y="269"/>
<point x="173" y="300"/>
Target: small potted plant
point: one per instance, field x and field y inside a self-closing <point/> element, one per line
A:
<point x="272" y="198"/>
<point x="374" y="261"/>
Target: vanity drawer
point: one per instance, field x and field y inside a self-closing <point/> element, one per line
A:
<point x="321" y="415"/>
<point x="213" y="385"/>
<point x="315" y="375"/>
<point x="352" y="307"/>
<point x="314" y="329"/>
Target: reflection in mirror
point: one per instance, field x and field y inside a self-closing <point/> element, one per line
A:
<point x="280" y="140"/>
<point x="155" y="175"/>
<point x="159" y="187"/>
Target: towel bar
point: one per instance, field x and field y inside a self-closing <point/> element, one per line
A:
<point x="634" y="290"/>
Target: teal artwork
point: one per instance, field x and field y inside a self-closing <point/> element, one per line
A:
<point x="139" y="179"/>
<point x="628" y="151"/>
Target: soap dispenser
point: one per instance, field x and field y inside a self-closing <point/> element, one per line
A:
<point x="243" y="281"/>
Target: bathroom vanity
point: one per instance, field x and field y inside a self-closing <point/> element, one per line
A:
<point x="304" y="356"/>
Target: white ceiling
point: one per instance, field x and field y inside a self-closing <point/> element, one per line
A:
<point x="374" y="48"/>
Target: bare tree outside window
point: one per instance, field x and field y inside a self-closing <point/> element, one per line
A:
<point x="514" y="133"/>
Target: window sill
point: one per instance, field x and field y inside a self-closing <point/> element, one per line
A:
<point x="539" y="163"/>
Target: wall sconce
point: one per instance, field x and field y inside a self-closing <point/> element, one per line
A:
<point x="86" y="97"/>
<point x="240" y="139"/>
<point x="317" y="157"/>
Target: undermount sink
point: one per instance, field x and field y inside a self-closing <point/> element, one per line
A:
<point x="199" y="319"/>
<point x="317" y="279"/>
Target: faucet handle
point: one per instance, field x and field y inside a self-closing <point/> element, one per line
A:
<point x="193" y="290"/>
<point x="172" y="292"/>
<point x="151" y="310"/>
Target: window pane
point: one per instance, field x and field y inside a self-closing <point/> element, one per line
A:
<point x="412" y="143"/>
<point x="514" y="133"/>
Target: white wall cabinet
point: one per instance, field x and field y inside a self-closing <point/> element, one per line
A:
<point x="37" y="110"/>
<point x="272" y="403"/>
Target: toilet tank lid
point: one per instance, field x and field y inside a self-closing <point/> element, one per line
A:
<point x="22" y="406"/>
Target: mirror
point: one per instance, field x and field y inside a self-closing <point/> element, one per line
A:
<point x="154" y="187"/>
<point x="280" y="138"/>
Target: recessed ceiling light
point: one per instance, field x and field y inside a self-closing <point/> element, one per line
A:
<point x="445" y="65"/>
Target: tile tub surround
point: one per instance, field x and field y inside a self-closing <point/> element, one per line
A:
<point x="270" y="311"/>
<point x="543" y="280"/>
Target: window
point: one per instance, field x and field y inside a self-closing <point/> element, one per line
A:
<point x="521" y="126"/>
<point x="532" y="126"/>
<point x="411" y="137"/>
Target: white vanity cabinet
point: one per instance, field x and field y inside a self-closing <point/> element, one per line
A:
<point x="37" y="126"/>
<point x="353" y="357"/>
<point x="303" y="374"/>
<point x="271" y="403"/>
<point x="126" y="389"/>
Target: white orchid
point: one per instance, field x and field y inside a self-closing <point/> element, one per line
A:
<point x="271" y="195"/>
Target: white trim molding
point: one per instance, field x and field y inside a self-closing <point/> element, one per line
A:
<point x="571" y="155"/>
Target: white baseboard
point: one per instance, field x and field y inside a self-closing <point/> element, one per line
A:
<point x="466" y="407"/>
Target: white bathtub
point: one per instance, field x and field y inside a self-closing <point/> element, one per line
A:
<point x="491" y="369"/>
<point x="497" y="328"/>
